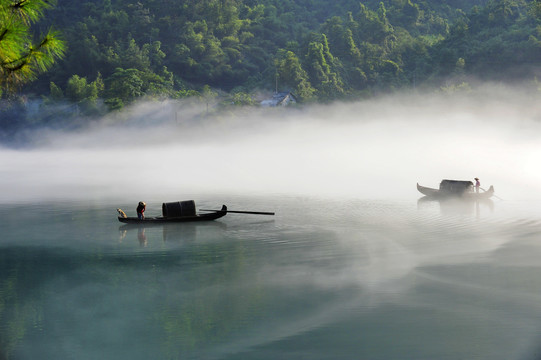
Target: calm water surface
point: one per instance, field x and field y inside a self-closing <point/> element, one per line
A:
<point x="323" y="279"/>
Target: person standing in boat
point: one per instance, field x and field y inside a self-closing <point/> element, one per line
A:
<point x="477" y="185"/>
<point x="141" y="210"/>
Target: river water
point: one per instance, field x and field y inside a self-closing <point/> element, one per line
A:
<point x="322" y="279"/>
<point x="354" y="265"/>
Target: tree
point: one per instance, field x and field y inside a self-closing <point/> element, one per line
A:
<point x="535" y="9"/>
<point x="373" y="26"/>
<point x="241" y="98"/>
<point x="342" y="45"/>
<point x="405" y="13"/>
<point x="208" y="95"/>
<point x="124" y="86"/>
<point x="56" y="92"/>
<point x="21" y="59"/>
<point x="77" y="89"/>
<point x="321" y="66"/>
<point x="291" y="73"/>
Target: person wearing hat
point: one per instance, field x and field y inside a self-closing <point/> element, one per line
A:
<point x="141" y="210"/>
<point x="477" y="185"/>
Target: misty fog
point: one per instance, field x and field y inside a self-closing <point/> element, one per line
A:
<point x="375" y="149"/>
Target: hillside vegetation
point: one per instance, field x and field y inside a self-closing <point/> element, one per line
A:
<point x="119" y="51"/>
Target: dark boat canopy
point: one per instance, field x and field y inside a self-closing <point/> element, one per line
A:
<point x="178" y="209"/>
<point x="456" y="186"/>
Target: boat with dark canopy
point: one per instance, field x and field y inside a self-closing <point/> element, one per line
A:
<point x="183" y="211"/>
<point x="175" y="212"/>
<point x="456" y="188"/>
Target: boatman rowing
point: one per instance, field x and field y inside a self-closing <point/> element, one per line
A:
<point x="141" y="210"/>
<point x="477" y="185"/>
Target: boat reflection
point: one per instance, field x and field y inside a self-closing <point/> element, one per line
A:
<point x="173" y="234"/>
<point x="458" y="206"/>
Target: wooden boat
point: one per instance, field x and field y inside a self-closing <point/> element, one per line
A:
<point x="175" y="219"/>
<point x="457" y="189"/>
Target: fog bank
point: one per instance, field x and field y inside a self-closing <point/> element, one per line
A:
<point x="377" y="149"/>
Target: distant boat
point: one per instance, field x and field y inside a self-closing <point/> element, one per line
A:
<point x="456" y="188"/>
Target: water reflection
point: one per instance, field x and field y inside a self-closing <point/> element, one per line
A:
<point x="325" y="279"/>
<point x="459" y="206"/>
<point x="171" y="234"/>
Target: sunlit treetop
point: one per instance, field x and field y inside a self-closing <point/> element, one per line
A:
<point x="21" y="58"/>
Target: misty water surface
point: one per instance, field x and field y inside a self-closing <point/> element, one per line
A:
<point x="355" y="264"/>
<point x="322" y="279"/>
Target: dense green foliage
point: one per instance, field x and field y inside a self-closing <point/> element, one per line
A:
<point x="122" y="50"/>
<point x="21" y="58"/>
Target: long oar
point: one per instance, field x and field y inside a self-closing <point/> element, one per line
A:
<point x="492" y="194"/>
<point x="243" y="212"/>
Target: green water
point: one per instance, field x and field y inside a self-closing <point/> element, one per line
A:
<point x="320" y="280"/>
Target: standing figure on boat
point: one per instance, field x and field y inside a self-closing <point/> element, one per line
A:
<point x="141" y="210"/>
<point x="477" y="185"/>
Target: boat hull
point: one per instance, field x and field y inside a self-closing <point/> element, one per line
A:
<point x="436" y="193"/>
<point x="180" y="219"/>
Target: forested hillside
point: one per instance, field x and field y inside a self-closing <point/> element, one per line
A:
<point x="121" y="50"/>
